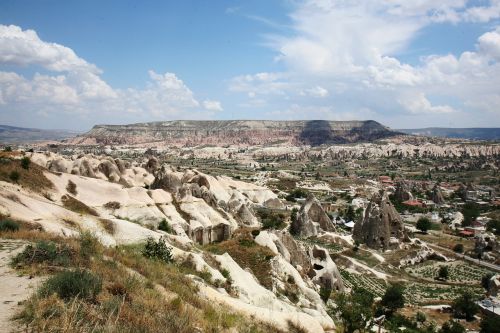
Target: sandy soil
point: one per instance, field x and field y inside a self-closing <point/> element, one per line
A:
<point x="13" y="288"/>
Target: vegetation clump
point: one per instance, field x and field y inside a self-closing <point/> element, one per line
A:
<point x="157" y="250"/>
<point x="424" y="224"/>
<point x="165" y="226"/>
<point x="71" y="188"/>
<point x="112" y="205"/>
<point x="77" y="206"/>
<point x="8" y="225"/>
<point x="74" y="283"/>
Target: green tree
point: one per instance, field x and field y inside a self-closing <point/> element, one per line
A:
<point x="465" y="306"/>
<point x="485" y="281"/>
<point x="459" y="248"/>
<point x="470" y="212"/>
<point x="424" y="224"/>
<point x="452" y="327"/>
<point x="443" y="273"/>
<point x="494" y="226"/>
<point x="490" y="324"/>
<point x="354" y="310"/>
<point x="393" y="298"/>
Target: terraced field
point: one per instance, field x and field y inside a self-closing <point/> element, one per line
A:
<point x="375" y="286"/>
<point x="458" y="271"/>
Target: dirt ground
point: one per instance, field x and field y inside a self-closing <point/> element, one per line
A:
<point x="13" y="288"/>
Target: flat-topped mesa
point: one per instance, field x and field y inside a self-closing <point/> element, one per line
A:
<point x="381" y="226"/>
<point x="237" y="132"/>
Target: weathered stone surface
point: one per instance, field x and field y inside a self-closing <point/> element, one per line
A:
<point x="437" y="196"/>
<point x="237" y="132"/>
<point x="381" y="226"/>
<point x="311" y="219"/>
<point x="402" y="192"/>
<point x="325" y="272"/>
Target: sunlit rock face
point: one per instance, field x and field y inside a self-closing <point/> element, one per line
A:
<point x="311" y="219"/>
<point x="381" y="226"/>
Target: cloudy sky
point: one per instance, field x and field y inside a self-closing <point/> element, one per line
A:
<point x="407" y="64"/>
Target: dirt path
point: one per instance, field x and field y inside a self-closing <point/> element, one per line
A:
<point x="13" y="288"/>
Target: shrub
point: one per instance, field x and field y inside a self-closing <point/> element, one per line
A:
<point x="8" y="225"/>
<point x="14" y="176"/>
<point x="89" y="245"/>
<point x="423" y="224"/>
<point x="25" y="163"/>
<point x="325" y="293"/>
<point x="112" y="205"/>
<point x="458" y="248"/>
<point x="164" y="226"/>
<point x="157" y="250"/>
<point x="77" y="206"/>
<point x="485" y="281"/>
<point x="452" y="327"/>
<point x="225" y="273"/>
<point x="44" y="252"/>
<point x="443" y="273"/>
<point x="71" y="187"/>
<point x="70" y="284"/>
<point x="7" y="149"/>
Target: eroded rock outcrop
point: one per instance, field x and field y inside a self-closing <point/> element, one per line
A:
<point x="437" y="195"/>
<point x="311" y="219"/>
<point x="381" y="226"/>
<point x="402" y="192"/>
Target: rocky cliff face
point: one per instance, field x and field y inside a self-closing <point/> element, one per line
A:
<point x="381" y="226"/>
<point x="237" y="132"/>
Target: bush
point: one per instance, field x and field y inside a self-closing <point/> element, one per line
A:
<point x="423" y="224"/>
<point x="8" y="225"/>
<point x="164" y="226"/>
<point x="452" y="327"/>
<point x="70" y="284"/>
<point x="89" y="245"/>
<point x="271" y="220"/>
<point x="14" y="176"/>
<point x="485" y="281"/>
<point x="325" y="293"/>
<point x="157" y="250"/>
<point x="44" y="252"/>
<point x="443" y="273"/>
<point x="465" y="307"/>
<point x="25" y="163"/>
<point x="7" y="149"/>
<point x="112" y="205"/>
<point x="458" y="248"/>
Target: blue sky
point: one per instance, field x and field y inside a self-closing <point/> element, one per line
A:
<point x="68" y="64"/>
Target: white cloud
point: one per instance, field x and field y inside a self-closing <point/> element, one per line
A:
<point x="352" y="50"/>
<point x="418" y="103"/>
<point x="316" y="91"/>
<point x="24" y="47"/>
<point x="212" y="105"/>
<point x="74" y="87"/>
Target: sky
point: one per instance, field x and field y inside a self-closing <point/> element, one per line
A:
<point x="407" y="64"/>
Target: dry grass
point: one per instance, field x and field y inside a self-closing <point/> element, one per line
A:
<point x="247" y="254"/>
<point x="31" y="178"/>
<point x="128" y="303"/>
<point x="77" y="206"/>
<point x="108" y="225"/>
